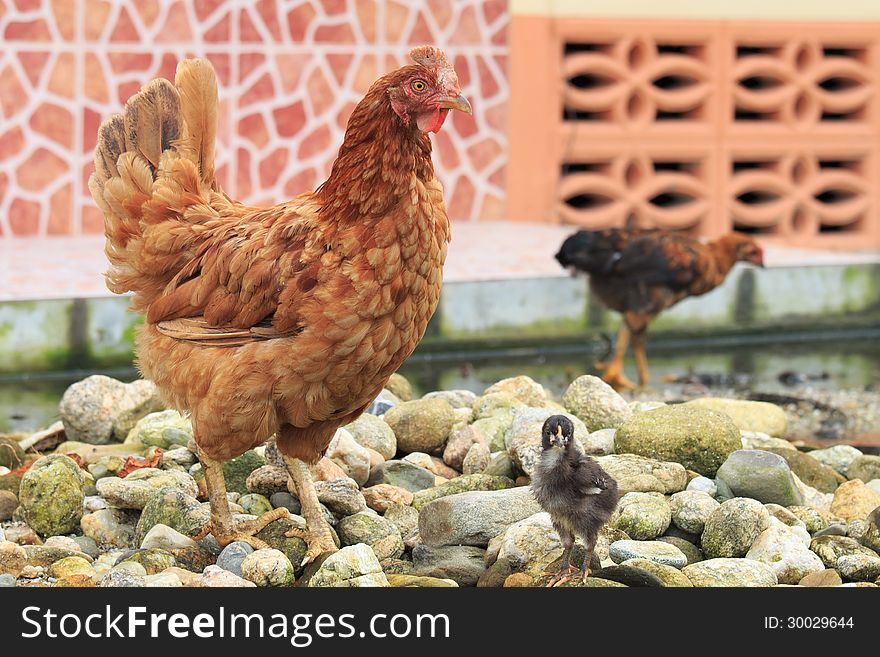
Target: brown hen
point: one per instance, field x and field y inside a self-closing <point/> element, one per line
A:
<point x="286" y="320"/>
<point x="642" y="273"/>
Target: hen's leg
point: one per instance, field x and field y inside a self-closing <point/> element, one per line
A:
<point x="638" y="340"/>
<point x="317" y="534"/>
<point x="614" y="375"/>
<point x="224" y="529"/>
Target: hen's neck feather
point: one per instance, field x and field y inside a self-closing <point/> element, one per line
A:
<point x="376" y="161"/>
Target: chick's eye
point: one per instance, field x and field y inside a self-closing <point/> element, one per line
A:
<point x="419" y="86"/>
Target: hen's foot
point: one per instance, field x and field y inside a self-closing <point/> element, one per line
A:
<point x="243" y="530"/>
<point x="319" y="541"/>
<point x="618" y="380"/>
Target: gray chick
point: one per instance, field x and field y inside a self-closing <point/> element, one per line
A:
<point x="574" y="489"/>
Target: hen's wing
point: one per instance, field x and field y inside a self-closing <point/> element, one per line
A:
<point x="245" y="281"/>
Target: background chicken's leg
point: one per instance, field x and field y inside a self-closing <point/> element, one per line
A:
<point x="224" y="529"/>
<point x="638" y="342"/>
<point x="317" y="533"/>
<point x="614" y="375"/>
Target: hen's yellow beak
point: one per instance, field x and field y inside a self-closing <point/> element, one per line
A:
<point x="459" y="103"/>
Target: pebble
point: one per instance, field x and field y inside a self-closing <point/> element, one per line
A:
<point x="232" y="555"/>
<point x="381" y="496"/>
<point x="385" y="401"/>
<point x="476" y="460"/>
<point x="669" y="575"/>
<point x="402" y="474"/>
<point x="853" y="500"/>
<point x="214" y="576"/>
<point x="284" y="500"/>
<point x="838" y="457"/>
<point x="406" y="519"/>
<point x="165" y="429"/>
<point x="352" y="566"/>
<point x="785" y="553"/>
<point x="110" y="527"/>
<point x="643" y="516"/>
<point x="748" y="415"/>
<point x="654" y="551"/>
<point x="13" y="558"/>
<point x="703" y="485"/>
<point x="8" y="504"/>
<point x="462" y="484"/>
<point x="733" y="527"/>
<point x="380" y="534"/>
<point x="859" y="567"/>
<point x="640" y="474"/>
<point x="421" y="425"/>
<point x="341" y="496"/>
<point x="461" y="563"/>
<point x="730" y="572"/>
<point x="865" y="467"/>
<point x="139" y="487"/>
<point x="760" y="475"/>
<point x="691" y="509"/>
<point x="475" y="517"/>
<point x="164" y="579"/>
<point x="827" y="577"/>
<point x="51" y="495"/>
<point x="374" y="433"/>
<point x="689" y="549"/>
<point x="460" y="442"/>
<point x="832" y="548"/>
<point x="698" y="438"/>
<point x="163" y="537"/>
<point x="455" y="398"/>
<point x="255" y="504"/>
<point x="98" y="409"/>
<point x="596" y="403"/>
<point x="268" y="567"/>
<point x="348" y="454"/>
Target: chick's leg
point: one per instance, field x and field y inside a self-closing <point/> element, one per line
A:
<point x="224" y="529"/>
<point x="614" y="375"/>
<point x="317" y="534"/>
<point x="590" y="543"/>
<point x="565" y="569"/>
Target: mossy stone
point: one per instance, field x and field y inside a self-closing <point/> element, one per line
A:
<point x="237" y="470"/>
<point x="51" y="495"/>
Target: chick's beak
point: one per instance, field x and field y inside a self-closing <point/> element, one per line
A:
<point x="458" y="102"/>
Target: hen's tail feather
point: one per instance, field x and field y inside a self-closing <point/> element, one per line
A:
<point x="153" y="179"/>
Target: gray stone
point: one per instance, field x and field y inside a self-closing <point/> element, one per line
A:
<point x="596" y="403"/>
<point x="698" y="438"/>
<point x="455" y="398"/>
<point x="865" y="467"/>
<point x="474" y="518"/>
<point x="385" y="401"/>
<point x="691" y="509"/>
<point x="352" y="566"/>
<point x="748" y="415"/>
<point x="760" y="475"/>
<point x="51" y="495"/>
<point x="785" y="553"/>
<point x="232" y="555"/>
<point x="692" y="552"/>
<point x="341" y="496"/>
<point x="406" y="519"/>
<point x="526" y="546"/>
<point x="99" y="409"/>
<point x="838" y="457"/>
<point x="730" y="572"/>
<point x="733" y="527"/>
<point x="268" y="567"/>
<point x="374" y="433"/>
<point x="165" y="429"/>
<point x="402" y="474"/>
<point x="639" y="474"/>
<point x="165" y="538"/>
<point x="460" y="484"/>
<point x="669" y="575"/>
<point x="348" y="454"/>
<point x="859" y="567"/>
<point x="643" y="516"/>
<point x="476" y="460"/>
<point x="655" y="551"/>
<point x="380" y="534"/>
<point x="704" y="485"/>
<point x="284" y="500"/>
<point x="832" y="548"/>
<point x="460" y="563"/>
<point x="421" y="425"/>
<point x="140" y="486"/>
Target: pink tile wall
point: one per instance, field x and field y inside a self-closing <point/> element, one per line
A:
<point x="290" y="73"/>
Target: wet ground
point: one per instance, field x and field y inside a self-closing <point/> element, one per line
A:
<point x="829" y="386"/>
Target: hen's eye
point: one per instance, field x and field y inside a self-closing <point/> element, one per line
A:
<point x="419" y="86"/>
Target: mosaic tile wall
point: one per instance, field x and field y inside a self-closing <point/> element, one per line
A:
<point x="290" y="73"/>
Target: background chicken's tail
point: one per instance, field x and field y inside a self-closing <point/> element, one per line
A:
<point x="154" y="176"/>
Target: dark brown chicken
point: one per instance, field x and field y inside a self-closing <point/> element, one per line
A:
<point x="286" y="320"/>
<point x="642" y="273"/>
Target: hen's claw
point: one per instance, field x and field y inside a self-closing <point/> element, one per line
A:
<point x="618" y="381"/>
<point x="561" y="576"/>
<point x="319" y="542"/>
<point x="242" y="530"/>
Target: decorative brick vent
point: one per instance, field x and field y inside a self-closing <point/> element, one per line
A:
<point x="769" y="128"/>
